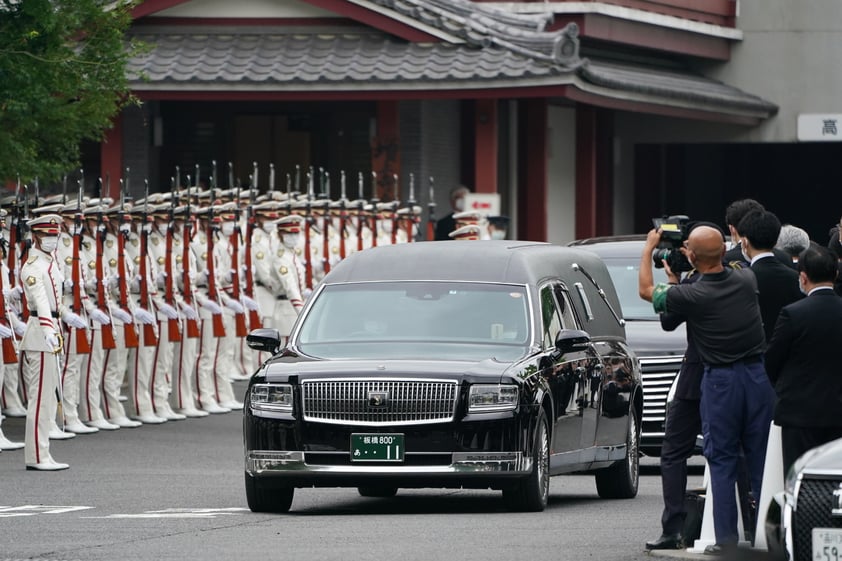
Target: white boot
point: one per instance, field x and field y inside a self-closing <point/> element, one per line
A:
<point x="6" y="444"/>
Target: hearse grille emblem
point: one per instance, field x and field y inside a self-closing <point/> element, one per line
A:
<point x="378" y="400"/>
<point x="837" y="496"/>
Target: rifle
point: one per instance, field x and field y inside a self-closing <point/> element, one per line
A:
<point x="107" y="330"/>
<point x="14" y="235"/>
<point x="83" y="346"/>
<point x="360" y="211"/>
<point x="254" y="315"/>
<point x="343" y="217"/>
<point x="218" y="324"/>
<point x="431" y="213"/>
<point x="308" y="266"/>
<point x="124" y="221"/>
<point x="150" y="336"/>
<point x="241" y="330"/>
<point x="325" y="188"/>
<point x="173" y="325"/>
<point x="192" y="323"/>
<point x="374" y="201"/>
<point x="395" y="206"/>
<point x="410" y="203"/>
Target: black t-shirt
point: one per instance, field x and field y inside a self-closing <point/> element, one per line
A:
<point x="723" y="315"/>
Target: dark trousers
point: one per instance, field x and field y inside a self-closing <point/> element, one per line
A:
<point x="684" y="423"/>
<point x="736" y="407"/>
<point x="797" y="440"/>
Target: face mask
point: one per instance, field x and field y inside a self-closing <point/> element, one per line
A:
<point x="291" y="240"/>
<point x="268" y="227"/>
<point x="459" y="205"/>
<point x="498" y="235"/>
<point x="227" y="229"/>
<point x="48" y="245"/>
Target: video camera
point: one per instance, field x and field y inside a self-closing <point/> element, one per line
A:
<point x="674" y="232"/>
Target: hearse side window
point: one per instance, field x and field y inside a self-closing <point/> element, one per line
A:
<point x="568" y="314"/>
<point x="551" y="323"/>
<point x="586" y="304"/>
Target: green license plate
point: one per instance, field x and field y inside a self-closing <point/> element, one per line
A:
<point x="377" y="448"/>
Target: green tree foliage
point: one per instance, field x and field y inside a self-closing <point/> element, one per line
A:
<point x="62" y="79"/>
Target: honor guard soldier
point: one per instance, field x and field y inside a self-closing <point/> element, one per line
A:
<point x="115" y="363"/>
<point x="409" y="217"/>
<point x="263" y="244"/>
<point x="288" y="272"/>
<point x="41" y="345"/>
<point x="8" y="322"/>
<point x="10" y="396"/>
<point x="211" y="323"/>
<point x="468" y="232"/>
<point x="102" y="341"/>
<point x="386" y="227"/>
<point x="471" y="217"/>
<point x="225" y="365"/>
<point x="143" y="288"/>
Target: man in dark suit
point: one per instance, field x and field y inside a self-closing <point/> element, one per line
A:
<point x="734" y="213"/>
<point x="801" y="361"/>
<point x="777" y="284"/>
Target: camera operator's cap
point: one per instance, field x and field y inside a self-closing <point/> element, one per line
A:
<point x="468" y="232"/>
<point x="48" y="209"/>
<point x="48" y="224"/>
<point x="291" y="224"/>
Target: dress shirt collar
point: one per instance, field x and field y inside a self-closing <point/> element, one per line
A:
<point x="760" y="256"/>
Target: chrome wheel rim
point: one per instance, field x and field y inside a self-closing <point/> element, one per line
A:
<point x="634" y="457"/>
<point x="543" y="462"/>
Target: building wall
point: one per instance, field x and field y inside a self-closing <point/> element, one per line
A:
<point x="430" y="137"/>
<point x="561" y="175"/>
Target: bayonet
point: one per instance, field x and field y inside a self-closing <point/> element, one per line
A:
<point x="254" y="176"/>
<point x="213" y="178"/>
<point x="271" y="177"/>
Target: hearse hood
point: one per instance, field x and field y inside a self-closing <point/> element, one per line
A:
<point x="488" y="370"/>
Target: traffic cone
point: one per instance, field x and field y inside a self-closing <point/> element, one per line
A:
<point x="773" y="483"/>
<point x="708" y="534"/>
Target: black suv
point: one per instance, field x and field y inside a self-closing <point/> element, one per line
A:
<point x="660" y="352"/>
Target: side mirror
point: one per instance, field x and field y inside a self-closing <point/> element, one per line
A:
<point x="570" y="340"/>
<point x="266" y="340"/>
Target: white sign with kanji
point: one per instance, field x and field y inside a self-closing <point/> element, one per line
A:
<point x="485" y="203"/>
<point x="820" y="127"/>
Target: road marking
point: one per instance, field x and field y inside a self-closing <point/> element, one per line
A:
<point x="33" y="510"/>
<point x="181" y="513"/>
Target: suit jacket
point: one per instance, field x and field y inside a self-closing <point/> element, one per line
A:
<point x="803" y="365"/>
<point x="736" y="254"/>
<point x="777" y="286"/>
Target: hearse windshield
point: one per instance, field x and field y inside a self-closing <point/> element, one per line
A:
<point x="417" y="320"/>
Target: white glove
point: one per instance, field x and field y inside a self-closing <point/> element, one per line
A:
<point x="188" y="311"/>
<point x="20" y="328"/>
<point x="121" y="315"/>
<point x="135" y="287"/>
<point x="73" y="320"/>
<point x="68" y="285"/>
<point x="143" y="316"/>
<point x="212" y="307"/>
<point x="99" y="316"/>
<point x="168" y="311"/>
<point x="125" y="227"/>
<point x="13" y="293"/>
<point x="52" y="341"/>
<point x="249" y="303"/>
<point x="161" y="281"/>
<point x="234" y="306"/>
<point x="5" y="331"/>
<point x="110" y="282"/>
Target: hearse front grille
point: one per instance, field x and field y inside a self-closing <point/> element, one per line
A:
<point x="377" y="402"/>
<point x="814" y="504"/>
<point x="657" y="374"/>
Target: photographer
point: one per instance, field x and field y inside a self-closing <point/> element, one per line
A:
<point x="723" y="319"/>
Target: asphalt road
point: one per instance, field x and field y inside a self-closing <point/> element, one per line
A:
<point x="175" y="492"/>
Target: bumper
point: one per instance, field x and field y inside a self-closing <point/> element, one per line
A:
<point x="293" y="468"/>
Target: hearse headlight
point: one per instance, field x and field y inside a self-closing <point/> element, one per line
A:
<point x="484" y="398"/>
<point x="271" y="397"/>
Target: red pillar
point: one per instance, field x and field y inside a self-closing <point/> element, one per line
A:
<point x="532" y="170"/>
<point x="486" y="132"/>
<point x="385" y="150"/>
<point x="111" y="156"/>
<point x="594" y="178"/>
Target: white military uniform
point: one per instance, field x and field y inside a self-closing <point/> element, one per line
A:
<point x="42" y="286"/>
<point x="11" y="369"/>
<point x="225" y="365"/>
